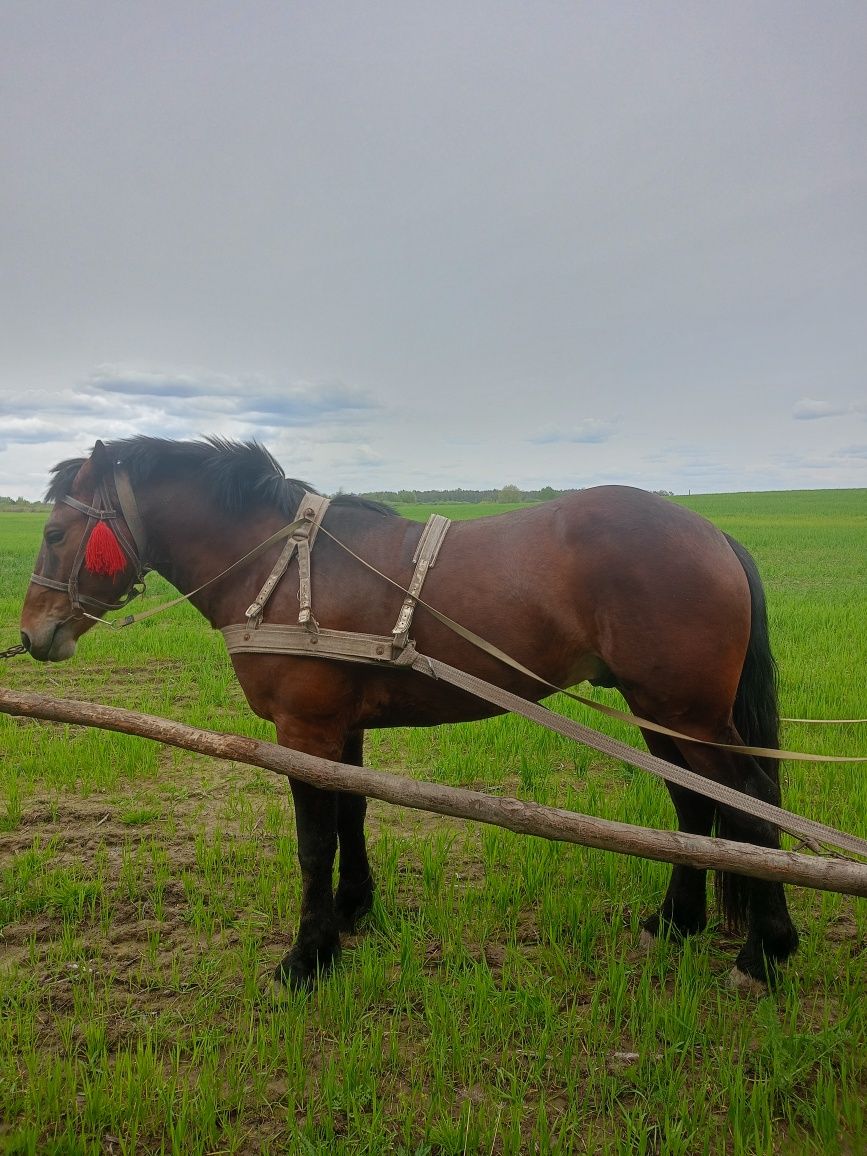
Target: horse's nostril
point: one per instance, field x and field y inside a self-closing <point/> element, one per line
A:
<point x="25" y="640"/>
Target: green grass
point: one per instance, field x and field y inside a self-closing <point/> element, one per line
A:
<point x="495" y="1002"/>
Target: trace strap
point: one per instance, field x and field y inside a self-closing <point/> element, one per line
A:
<point x="810" y="830"/>
<point x="610" y="711"/>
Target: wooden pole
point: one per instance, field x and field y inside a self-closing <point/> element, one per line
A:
<point x="824" y="874"/>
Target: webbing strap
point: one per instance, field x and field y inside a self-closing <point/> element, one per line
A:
<point x="276" y="638"/>
<point x="310" y="513"/>
<point x="610" y="711"/>
<point x="808" y="829"/>
<point x="279" y="638"/>
<point x="425" y="557"/>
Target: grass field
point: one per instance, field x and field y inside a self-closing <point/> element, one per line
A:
<point x="496" y="1000"/>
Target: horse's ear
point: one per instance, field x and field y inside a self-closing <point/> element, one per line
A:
<point x="100" y="459"/>
<point x="93" y="470"/>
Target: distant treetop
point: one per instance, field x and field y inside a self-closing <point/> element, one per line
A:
<point x="507" y="494"/>
<point x="21" y="505"/>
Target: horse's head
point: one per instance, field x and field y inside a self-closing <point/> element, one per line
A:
<point x="90" y="560"/>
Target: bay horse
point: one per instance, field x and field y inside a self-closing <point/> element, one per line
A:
<point x="611" y="585"/>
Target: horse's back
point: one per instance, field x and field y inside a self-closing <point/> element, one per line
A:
<point x="609" y="580"/>
<point x="601" y="540"/>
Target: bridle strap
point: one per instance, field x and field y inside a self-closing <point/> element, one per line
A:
<point x="88" y="511"/>
<point x="132" y="542"/>
<point x="129" y="508"/>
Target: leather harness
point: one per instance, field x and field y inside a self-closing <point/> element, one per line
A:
<point x="307" y="637"/>
<point x="396" y="650"/>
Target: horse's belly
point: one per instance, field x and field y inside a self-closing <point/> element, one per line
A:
<point x="590" y="668"/>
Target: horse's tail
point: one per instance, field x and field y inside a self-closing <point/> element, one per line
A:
<point x="756" y="716"/>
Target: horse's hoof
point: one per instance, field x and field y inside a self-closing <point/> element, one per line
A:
<point x="351" y="909"/>
<point x="300" y="973"/>
<point x="274" y="990"/>
<point x="647" y="940"/>
<point x="746" y="984"/>
<point x="292" y="978"/>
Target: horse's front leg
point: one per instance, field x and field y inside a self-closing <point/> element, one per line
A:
<point x="354" y="896"/>
<point x="317" y="944"/>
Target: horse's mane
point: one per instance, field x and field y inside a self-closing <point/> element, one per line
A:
<point x="240" y="475"/>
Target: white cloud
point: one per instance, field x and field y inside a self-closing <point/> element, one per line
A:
<point x="32" y="430"/>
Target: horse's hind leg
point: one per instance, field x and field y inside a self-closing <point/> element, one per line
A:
<point x="684" y="909"/>
<point x="771" y="935"/>
<point x="354" y="896"/>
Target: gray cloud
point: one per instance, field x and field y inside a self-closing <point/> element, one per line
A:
<point x="244" y="398"/>
<point x="139" y="383"/>
<point x="857" y="451"/>
<point x="588" y="431"/>
<point x="809" y="409"/>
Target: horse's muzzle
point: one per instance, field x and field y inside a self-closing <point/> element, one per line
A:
<point x="53" y="642"/>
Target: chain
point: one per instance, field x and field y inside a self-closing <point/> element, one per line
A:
<point x="13" y="650"/>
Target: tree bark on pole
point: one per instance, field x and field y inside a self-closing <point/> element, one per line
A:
<point x="825" y="874"/>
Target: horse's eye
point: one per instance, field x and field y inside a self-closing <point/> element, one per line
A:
<point x="53" y="537"/>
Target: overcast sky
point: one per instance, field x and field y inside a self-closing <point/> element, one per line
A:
<point x="440" y="244"/>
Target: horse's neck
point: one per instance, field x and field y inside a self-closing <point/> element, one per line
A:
<point x="190" y="544"/>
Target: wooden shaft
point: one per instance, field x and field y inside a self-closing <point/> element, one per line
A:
<point x="824" y="874"/>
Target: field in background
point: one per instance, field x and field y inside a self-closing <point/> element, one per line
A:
<point x="495" y="1002"/>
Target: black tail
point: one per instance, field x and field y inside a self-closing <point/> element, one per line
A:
<point x="756" y="716"/>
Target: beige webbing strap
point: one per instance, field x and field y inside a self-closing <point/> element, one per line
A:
<point x="314" y="509"/>
<point x="255" y="609"/>
<point x="277" y="638"/>
<point x="808" y="829"/>
<point x="602" y="708"/>
<point x="425" y="558"/>
<point x="306" y="522"/>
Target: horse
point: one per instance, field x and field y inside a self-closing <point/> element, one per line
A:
<point x="611" y="584"/>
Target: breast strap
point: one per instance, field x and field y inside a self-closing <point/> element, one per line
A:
<point x="307" y="638"/>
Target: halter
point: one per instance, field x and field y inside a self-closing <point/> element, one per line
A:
<point x="127" y="527"/>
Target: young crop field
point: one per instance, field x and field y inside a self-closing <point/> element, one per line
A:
<point x="495" y="1001"/>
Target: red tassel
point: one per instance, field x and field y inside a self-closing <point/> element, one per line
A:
<point x="104" y="554"/>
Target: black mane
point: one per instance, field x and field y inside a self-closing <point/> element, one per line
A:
<point x="240" y="475"/>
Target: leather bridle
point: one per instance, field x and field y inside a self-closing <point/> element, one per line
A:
<point x="128" y="528"/>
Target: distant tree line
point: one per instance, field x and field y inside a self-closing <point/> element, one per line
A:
<point x="508" y="493"/>
<point x="21" y="506"/>
<point x="505" y="494"/>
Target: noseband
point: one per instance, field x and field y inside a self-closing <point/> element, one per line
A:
<point x="127" y="527"/>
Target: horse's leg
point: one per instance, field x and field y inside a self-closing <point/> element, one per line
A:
<point x="354" y="896"/>
<point x="317" y="944"/>
<point x="771" y="935"/>
<point x="684" y="909"/>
